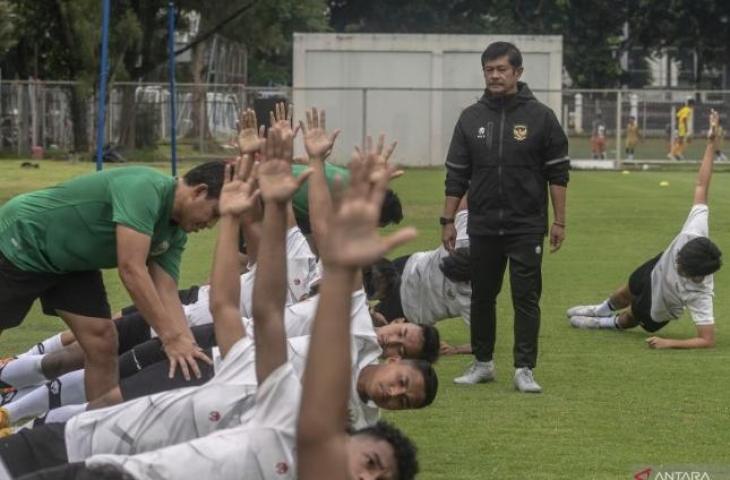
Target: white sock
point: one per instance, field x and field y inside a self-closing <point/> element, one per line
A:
<point x="65" y="390"/>
<point x="604" y="309"/>
<point x="64" y="414"/>
<point x="608" y="322"/>
<point x="48" y="345"/>
<point x="23" y="372"/>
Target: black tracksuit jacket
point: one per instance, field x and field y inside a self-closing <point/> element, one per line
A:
<point x="505" y="151"/>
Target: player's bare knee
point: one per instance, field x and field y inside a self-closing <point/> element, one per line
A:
<point x="101" y="339"/>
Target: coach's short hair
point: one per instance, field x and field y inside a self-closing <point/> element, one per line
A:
<point x="431" y="343"/>
<point x="500" y="49"/>
<point x="210" y="174"/>
<point x="403" y="448"/>
<point x="699" y="257"/>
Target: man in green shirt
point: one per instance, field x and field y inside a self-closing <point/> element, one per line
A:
<point x="54" y="243"/>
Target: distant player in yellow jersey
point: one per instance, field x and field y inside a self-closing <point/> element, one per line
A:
<point x="632" y="137"/>
<point x="684" y="116"/>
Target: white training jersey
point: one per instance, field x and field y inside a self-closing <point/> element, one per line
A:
<point x="301" y="268"/>
<point x="172" y="417"/>
<point x="671" y="292"/>
<point x="299" y="317"/>
<point x="427" y="296"/>
<point x="262" y="449"/>
<point x="362" y="414"/>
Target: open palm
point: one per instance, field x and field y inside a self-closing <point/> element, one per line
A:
<point x="250" y="138"/>
<point x="238" y="194"/>
<point x="317" y="142"/>
<point x="275" y="178"/>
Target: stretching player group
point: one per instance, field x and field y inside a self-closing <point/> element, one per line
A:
<point x="283" y="365"/>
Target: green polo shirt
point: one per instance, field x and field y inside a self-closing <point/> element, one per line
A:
<point x="300" y="200"/>
<point x="72" y="226"/>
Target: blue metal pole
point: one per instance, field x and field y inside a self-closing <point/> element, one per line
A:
<point x="171" y="74"/>
<point x="103" y="71"/>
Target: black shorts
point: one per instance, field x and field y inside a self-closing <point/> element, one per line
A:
<point x="82" y="293"/>
<point x="390" y="306"/>
<point x="640" y="288"/>
<point x="34" y="449"/>
<point x="132" y="330"/>
<point x="187" y="297"/>
<point x="155" y="378"/>
<point x="150" y="352"/>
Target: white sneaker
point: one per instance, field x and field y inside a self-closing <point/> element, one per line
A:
<point x="478" y="372"/>
<point x="525" y="382"/>
<point x="583" y="311"/>
<point x="585" y="322"/>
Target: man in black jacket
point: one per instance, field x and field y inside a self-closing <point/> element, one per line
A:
<point x="507" y="149"/>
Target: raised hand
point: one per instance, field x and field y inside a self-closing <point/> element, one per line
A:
<point x="317" y="142"/>
<point x="352" y="239"/>
<point x="281" y="118"/>
<point x="276" y="182"/>
<point x="250" y="137"/>
<point x="238" y="194"/>
<point x="380" y="153"/>
<point x="714" y="125"/>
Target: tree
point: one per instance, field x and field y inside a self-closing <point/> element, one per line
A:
<point x="7" y="30"/>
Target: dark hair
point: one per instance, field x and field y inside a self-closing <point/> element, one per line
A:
<point x="431" y="343"/>
<point x="430" y="380"/>
<point x="457" y="266"/>
<point x="699" y="257"/>
<point x="404" y="450"/>
<point x="210" y="174"/>
<point x="392" y="210"/>
<point x="500" y="49"/>
<point x="379" y="278"/>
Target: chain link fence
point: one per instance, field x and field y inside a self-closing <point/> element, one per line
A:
<point x="56" y="119"/>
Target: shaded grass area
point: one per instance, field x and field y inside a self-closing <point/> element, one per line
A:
<point x="611" y="406"/>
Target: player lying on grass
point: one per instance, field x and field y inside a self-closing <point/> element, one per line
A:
<point x="324" y="448"/>
<point x="425" y="287"/>
<point x="680" y="277"/>
<point x="264" y="446"/>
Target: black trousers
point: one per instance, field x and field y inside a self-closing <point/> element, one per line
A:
<point x="34" y="449"/>
<point x="489" y="258"/>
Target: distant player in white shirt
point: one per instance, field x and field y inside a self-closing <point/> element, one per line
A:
<point x="680" y="277"/>
<point x="325" y="449"/>
<point x="425" y="287"/>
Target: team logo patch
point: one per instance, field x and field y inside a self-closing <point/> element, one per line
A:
<point x="297" y="281"/>
<point x="482" y="132"/>
<point x="282" y="468"/>
<point x="519" y="132"/>
<point x="159" y="249"/>
<point x="214" y="416"/>
<point x="538" y="250"/>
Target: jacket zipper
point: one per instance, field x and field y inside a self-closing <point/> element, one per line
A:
<point x="499" y="170"/>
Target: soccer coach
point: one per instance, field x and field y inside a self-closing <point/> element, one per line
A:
<point x="507" y="150"/>
<point x="54" y="243"/>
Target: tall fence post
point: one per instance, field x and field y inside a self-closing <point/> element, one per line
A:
<point x="102" y="84"/>
<point x="171" y="73"/>
<point x="619" y="111"/>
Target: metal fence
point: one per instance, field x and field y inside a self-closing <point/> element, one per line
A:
<point x="55" y="119"/>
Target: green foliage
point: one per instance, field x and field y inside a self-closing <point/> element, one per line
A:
<point x="7" y="26"/>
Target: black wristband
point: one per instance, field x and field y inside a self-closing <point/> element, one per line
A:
<point x="445" y="221"/>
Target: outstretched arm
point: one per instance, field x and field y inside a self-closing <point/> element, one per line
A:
<point x="352" y="242"/>
<point x="702" y="186"/>
<point x="237" y="197"/>
<point x="705" y="339"/>
<point x="277" y="186"/>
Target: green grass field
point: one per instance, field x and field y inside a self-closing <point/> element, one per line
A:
<point x="611" y="405"/>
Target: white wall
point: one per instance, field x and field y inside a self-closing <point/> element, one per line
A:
<point x="421" y="120"/>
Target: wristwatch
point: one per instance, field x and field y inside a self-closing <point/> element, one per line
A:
<point x="445" y="221"/>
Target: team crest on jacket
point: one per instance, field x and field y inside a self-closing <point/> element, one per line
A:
<point x="519" y="132"/>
